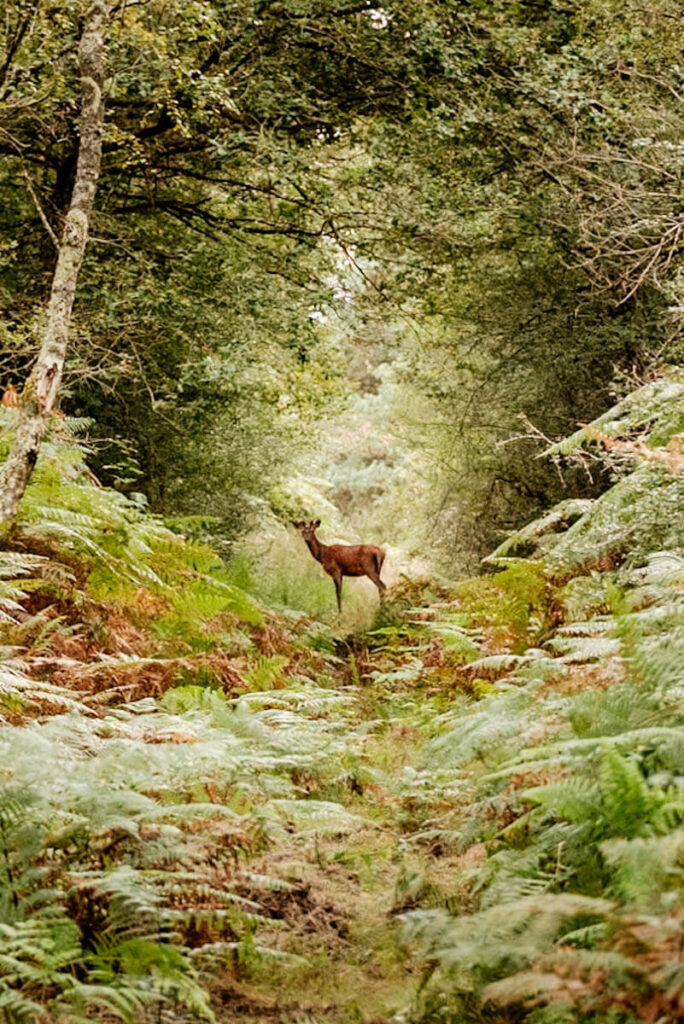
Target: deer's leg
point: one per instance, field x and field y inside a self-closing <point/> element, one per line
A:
<point x="375" y="577"/>
<point x="378" y="582"/>
<point x="337" y="580"/>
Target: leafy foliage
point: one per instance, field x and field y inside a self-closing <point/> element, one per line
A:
<point x="376" y="261"/>
<point x="586" y="744"/>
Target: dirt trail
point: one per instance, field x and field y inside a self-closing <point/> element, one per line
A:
<point x="345" y="893"/>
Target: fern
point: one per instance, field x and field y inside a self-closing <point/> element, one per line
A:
<point x="577" y="799"/>
<point x="124" y="546"/>
<point x="628" y="804"/>
<point x="42" y="944"/>
<point x="506" y="936"/>
<point x="491" y="733"/>
<point x="555" y="979"/>
<point x="541" y="534"/>
<point x="15" y="582"/>
<point x="266" y="671"/>
<point x="620" y="803"/>
<point x="127" y="873"/>
<point x="18" y="690"/>
<point x="655" y="404"/>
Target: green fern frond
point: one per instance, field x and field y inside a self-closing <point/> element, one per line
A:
<point x="597" y="626"/>
<point x="629" y="805"/>
<point x="513" y="934"/>
<point x="579" y="650"/>
<point x="541" y="534"/>
<point x="319" y="816"/>
<point x="652" y="404"/>
<point x="577" y="799"/>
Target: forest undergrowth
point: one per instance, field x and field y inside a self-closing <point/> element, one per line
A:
<point x="472" y="811"/>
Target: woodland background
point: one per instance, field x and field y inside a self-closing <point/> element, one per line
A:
<point x="417" y="270"/>
<point x="443" y="227"/>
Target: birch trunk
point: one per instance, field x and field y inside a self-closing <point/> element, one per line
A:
<point x="40" y="391"/>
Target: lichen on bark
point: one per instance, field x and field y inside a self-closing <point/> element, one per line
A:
<point x="42" y="387"/>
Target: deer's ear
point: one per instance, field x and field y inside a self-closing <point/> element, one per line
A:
<point x="316" y="523"/>
<point x="296" y="525"/>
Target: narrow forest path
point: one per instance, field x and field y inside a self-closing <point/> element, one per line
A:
<point x="339" y="888"/>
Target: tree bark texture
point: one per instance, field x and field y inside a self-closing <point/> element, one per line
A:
<point x="41" y="388"/>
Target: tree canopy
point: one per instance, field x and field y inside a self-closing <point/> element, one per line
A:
<point x="498" y="184"/>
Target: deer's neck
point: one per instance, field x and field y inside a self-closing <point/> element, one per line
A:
<point x="315" y="547"/>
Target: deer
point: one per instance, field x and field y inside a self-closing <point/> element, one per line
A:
<point x="340" y="560"/>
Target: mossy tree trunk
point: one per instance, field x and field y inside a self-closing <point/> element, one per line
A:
<point x="41" y="388"/>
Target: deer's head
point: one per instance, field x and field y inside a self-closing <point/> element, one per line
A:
<point x="307" y="530"/>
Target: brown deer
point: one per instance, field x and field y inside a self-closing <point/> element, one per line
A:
<point x="340" y="560"/>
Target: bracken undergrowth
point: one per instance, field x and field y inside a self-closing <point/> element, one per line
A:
<point x="474" y="811"/>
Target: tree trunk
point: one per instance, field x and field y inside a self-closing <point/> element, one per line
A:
<point x="40" y="391"/>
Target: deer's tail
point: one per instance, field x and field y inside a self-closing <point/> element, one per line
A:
<point x="379" y="558"/>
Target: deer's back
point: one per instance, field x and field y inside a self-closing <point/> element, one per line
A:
<point x="352" y="559"/>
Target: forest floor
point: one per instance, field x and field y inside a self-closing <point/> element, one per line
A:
<point x="327" y="944"/>
<point x="305" y="802"/>
<point x="345" y="892"/>
<point x="224" y="808"/>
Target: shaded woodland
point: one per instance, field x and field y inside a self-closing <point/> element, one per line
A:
<point x="415" y="271"/>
